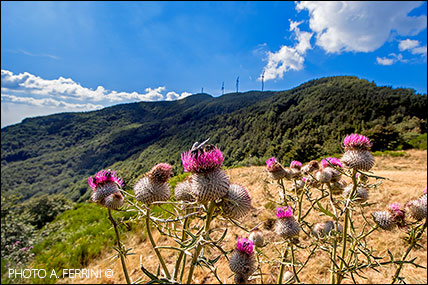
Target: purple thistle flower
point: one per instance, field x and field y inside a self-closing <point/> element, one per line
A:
<point x="271" y="162"/>
<point x="356" y="141"/>
<point x="283" y="212"/>
<point x="24" y="249"/>
<point x="296" y="164"/>
<point x="245" y="245"/>
<point x="333" y="160"/>
<point x="16" y="243"/>
<point x="102" y="177"/>
<point x="202" y="160"/>
<point x="31" y="247"/>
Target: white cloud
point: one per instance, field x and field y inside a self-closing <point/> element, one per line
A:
<point x="47" y="102"/>
<point x="385" y="61"/>
<point x="413" y="46"/>
<point x="64" y="94"/>
<point x="360" y="26"/>
<point x="420" y="50"/>
<point x="288" y="58"/>
<point x="408" y="44"/>
<point x="391" y="59"/>
<point x="67" y="89"/>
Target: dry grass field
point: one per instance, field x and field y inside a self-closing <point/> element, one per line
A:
<point x="408" y="180"/>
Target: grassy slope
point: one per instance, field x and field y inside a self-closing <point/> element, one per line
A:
<point x="408" y="176"/>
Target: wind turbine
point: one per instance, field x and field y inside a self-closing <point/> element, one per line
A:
<point x="222" y="88"/>
<point x="263" y="80"/>
<point x="237" y="84"/>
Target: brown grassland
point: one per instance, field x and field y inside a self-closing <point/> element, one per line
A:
<point x="408" y="179"/>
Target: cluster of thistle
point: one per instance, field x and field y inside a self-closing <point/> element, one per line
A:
<point x="344" y="201"/>
<point x="396" y="215"/>
<point x="207" y="190"/>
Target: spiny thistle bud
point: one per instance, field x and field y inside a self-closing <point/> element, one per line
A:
<point x="103" y="184"/>
<point x="332" y="226"/>
<point x="289" y="277"/>
<point x="286" y="225"/>
<point x="310" y="167"/>
<point x="384" y="219"/>
<point x="397" y="214"/>
<point x="295" y="167"/>
<point x="361" y="160"/>
<point x="361" y="196"/>
<point x="148" y="191"/>
<point x="312" y="182"/>
<point x="209" y="186"/>
<point x="333" y="161"/>
<point x="357" y="154"/>
<point x="202" y="160"/>
<point x="256" y="236"/>
<point x="243" y="260"/>
<point x="323" y="176"/>
<point x="182" y="192"/>
<point x="337" y="187"/>
<point x="335" y="174"/>
<point x="298" y="185"/>
<point x="113" y="201"/>
<point x="237" y="202"/>
<point x="276" y="171"/>
<point x="324" y="229"/>
<point x="160" y="173"/>
<point x="417" y="209"/>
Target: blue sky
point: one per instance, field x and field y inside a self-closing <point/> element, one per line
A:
<point x="80" y="56"/>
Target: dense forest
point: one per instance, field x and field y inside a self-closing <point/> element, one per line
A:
<point x="56" y="153"/>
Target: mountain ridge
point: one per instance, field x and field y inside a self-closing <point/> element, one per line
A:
<point x="305" y="122"/>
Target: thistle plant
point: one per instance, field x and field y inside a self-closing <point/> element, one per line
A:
<point x="106" y="191"/>
<point x="335" y="191"/>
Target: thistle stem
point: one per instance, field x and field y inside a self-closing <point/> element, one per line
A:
<point x="149" y="233"/>
<point x="211" y="207"/>
<point x="409" y="249"/>
<point x="260" y="268"/>
<point x="281" y="269"/>
<point x="333" y="266"/>
<point x="119" y="245"/>
<point x="345" y="227"/>
<point x="293" y="261"/>
<point x="281" y="182"/>
<point x="181" y="255"/>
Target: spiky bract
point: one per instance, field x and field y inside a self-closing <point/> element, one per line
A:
<point x="237" y="202"/>
<point x="417" y="209"/>
<point x="310" y="167"/>
<point x="148" y="191"/>
<point x="113" y="201"/>
<point x="358" y="159"/>
<point x="256" y="236"/>
<point x="209" y="186"/>
<point x="384" y="219"/>
<point x="362" y="194"/>
<point x="182" y="191"/>
<point x="104" y="190"/>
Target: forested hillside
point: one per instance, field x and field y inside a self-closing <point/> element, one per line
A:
<point x="56" y="154"/>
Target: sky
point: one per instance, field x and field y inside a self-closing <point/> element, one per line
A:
<point x="83" y="56"/>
